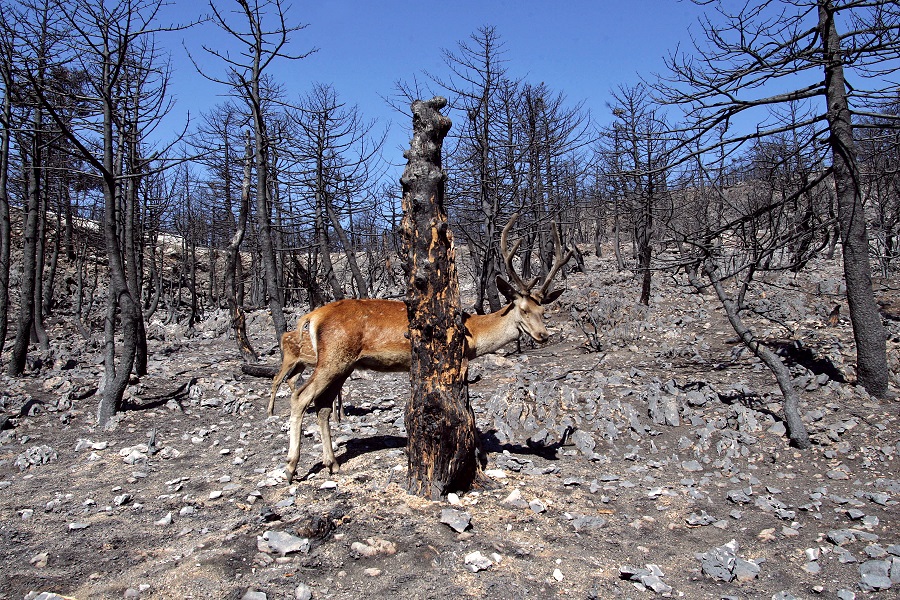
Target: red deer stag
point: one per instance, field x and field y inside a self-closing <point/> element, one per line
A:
<point x="371" y="334"/>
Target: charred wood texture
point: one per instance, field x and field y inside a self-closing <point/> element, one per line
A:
<point x="443" y="445"/>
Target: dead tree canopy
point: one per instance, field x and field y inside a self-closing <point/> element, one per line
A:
<point x="440" y="423"/>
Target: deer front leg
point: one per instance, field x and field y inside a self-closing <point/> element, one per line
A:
<point x="324" y="406"/>
<point x="300" y="401"/>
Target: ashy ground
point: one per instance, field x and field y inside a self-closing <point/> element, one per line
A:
<point x="651" y="464"/>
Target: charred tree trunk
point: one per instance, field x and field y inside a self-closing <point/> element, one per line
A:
<point x="5" y="227"/>
<point x="32" y="173"/>
<point x="361" y="287"/>
<point x="443" y="445"/>
<point x="796" y="430"/>
<point x="868" y="330"/>
<point x="232" y="259"/>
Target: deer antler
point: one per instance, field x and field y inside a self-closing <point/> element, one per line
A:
<point x="558" y="261"/>
<point x="509" y="254"/>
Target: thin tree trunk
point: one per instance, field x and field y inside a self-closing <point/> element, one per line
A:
<point x="443" y="445"/>
<point x="49" y="286"/>
<point x="5" y="228"/>
<point x="324" y="249"/>
<point x="868" y="330"/>
<point x="117" y="366"/>
<point x="348" y="249"/>
<point x="29" y="255"/>
<point x="38" y="331"/>
<point x="232" y="258"/>
<point x="264" y="215"/>
<point x="796" y="430"/>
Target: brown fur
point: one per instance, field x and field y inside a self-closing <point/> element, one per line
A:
<point x="345" y="335"/>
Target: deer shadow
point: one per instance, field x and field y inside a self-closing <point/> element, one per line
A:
<point x="356" y="447"/>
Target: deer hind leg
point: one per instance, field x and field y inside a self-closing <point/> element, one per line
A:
<point x="315" y="388"/>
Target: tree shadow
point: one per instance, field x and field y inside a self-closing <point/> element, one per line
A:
<point x="794" y="352"/>
<point x="490" y="443"/>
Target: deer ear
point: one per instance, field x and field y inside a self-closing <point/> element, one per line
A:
<point x="551" y="296"/>
<point x="506" y="289"/>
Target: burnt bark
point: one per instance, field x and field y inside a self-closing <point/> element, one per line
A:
<point x="5" y="227"/>
<point x="443" y="447"/>
<point x="232" y="259"/>
<point x="868" y="330"/>
<point x="25" y="322"/>
<point x="796" y="430"/>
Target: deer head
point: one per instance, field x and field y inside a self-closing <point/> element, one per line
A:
<point x="528" y="304"/>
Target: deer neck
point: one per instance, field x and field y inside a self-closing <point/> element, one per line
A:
<point x="488" y="333"/>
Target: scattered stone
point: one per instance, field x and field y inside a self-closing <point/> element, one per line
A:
<point x="280" y="542"/>
<point x="35" y="456"/>
<point x="476" y="561"/>
<point x="650" y="578"/>
<point x="663" y="408"/>
<point x="40" y="560"/>
<point x="723" y="564"/>
<point x="875" y="575"/>
<point x="584" y="441"/>
<point x="303" y="592"/>
<point x="700" y="519"/>
<point x="691" y="466"/>
<point x="254" y="595"/>
<point x="537" y="506"/>
<point x="846" y="595"/>
<point x="372" y="572"/>
<point x="166" y="520"/>
<point x="738" y="497"/>
<point x="844" y="556"/>
<point x="587" y="523"/>
<point x="457" y="520"/>
<point x="134" y="454"/>
<point x="77" y="526"/>
<point x="839" y="537"/>
<point x="373" y="547"/>
<point x="515" y="500"/>
<point x="558" y="575"/>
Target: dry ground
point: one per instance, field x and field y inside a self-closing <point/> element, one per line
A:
<point x="96" y="514"/>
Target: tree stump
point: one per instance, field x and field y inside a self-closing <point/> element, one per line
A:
<point x="442" y="442"/>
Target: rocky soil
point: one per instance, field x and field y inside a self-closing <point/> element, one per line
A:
<point x="644" y="457"/>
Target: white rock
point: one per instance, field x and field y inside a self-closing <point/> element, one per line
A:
<point x="476" y="561"/>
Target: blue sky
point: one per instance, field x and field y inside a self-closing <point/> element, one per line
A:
<point x="581" y="48"/>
